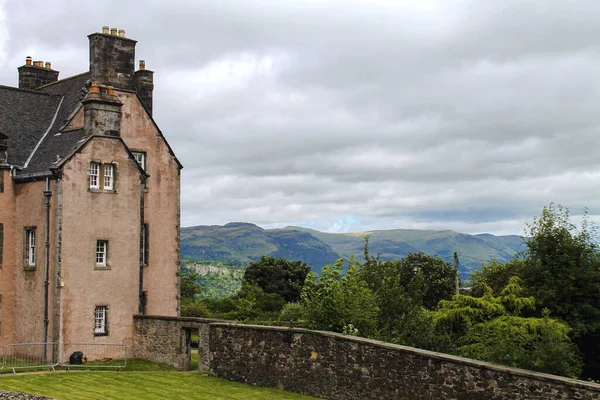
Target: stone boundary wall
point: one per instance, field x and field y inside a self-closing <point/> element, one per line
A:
<point x="161" y="340"/>
<point x="336" y="366"/>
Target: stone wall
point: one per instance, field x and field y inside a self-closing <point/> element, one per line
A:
<point x="162" y="340"/>
<point x="335" y="366"/>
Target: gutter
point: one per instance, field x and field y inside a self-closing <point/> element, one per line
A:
<point x="32" y="176"/>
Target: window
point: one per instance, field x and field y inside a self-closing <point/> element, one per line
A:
<point x="101" y="253"/>
<point x="140" y="157"/>
<point x="101" y="321"/>
<point x="108" y="176"/>
<point x="94" y="175"/>
<point x="30" y="247"/>
<point x="101" y="176"/>
<point x="145" y="245"/>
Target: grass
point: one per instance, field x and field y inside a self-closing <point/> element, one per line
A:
<point x="139" y="385"/>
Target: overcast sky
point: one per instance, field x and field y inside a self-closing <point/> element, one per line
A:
<point x="355" y="115"/>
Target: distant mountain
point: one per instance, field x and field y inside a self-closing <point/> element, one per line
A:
<point x="243" y="242"/>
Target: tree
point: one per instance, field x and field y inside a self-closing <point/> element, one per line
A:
<point x="493" y="328"/>
<point x="190" y="289"/>
<point x="562" y="271"/>
<point x="427" y="279"/>
<point x="402" y="289"/>
<point x="495" y="275"/>
<point x="283" y="277"/>
<point x="191" y="306"/>
<point x="333" y="302"/>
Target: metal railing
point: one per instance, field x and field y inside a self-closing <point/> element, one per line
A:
<point x="94" y="355"/>
<point x="72" y="355"/>
<point x="29" y="355"/>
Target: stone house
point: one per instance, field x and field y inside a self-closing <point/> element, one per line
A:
<point x="89" y="201"/>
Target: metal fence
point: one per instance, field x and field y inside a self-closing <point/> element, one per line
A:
<point x="94" y="355"/>
<point x="71" y="355"/>
<point x="29" y="355"/>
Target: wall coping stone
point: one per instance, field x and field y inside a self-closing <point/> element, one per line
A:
<point x="181" y="319"/>
<point x="419" y="352"/>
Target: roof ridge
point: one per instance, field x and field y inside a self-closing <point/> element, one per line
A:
<point x="62" y="80"/>
<point x="28" y="91"/>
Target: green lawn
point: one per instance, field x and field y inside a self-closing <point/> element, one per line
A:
<point x="138" y="385"/>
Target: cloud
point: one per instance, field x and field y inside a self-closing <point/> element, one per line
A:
<point x="355" y="115"/>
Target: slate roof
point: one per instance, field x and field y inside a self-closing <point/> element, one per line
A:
<point x="30" y="118"/>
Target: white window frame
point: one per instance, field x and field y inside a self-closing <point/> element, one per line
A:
<point x="140" y="157"/>
<point x="101" y="320"/>
<point x="30" y="247"/>
<point x="108" y="176"/>
<point x="94" y="175"/>
<point x="101" y="251"/>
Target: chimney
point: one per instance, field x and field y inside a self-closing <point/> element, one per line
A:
<point x="34" y="74"/>
<point x="101" y="112"/>
<point x="144" y="85"/>
<point x="112" y="59"/>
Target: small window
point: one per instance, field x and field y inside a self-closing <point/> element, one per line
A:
<point x="101" y="321"/>
<point x="140" y="157"/>
<point x="101" y="176"/>
<point x="30" y="248"/>
<point x="101" y="253"/>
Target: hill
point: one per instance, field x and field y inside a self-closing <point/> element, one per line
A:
<point x="243" y="242"/>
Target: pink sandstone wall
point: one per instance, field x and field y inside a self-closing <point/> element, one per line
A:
<point x="161" y="208"/>
<point x="30" y="210"/>
<point x="7" y="218"/>
<point x="87" y="216"/>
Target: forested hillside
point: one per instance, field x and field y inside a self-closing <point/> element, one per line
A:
<point x="241" y="243"/>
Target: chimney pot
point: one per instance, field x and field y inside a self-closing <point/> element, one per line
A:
<point x="102" y="88"/>
<point x="110" y="90"/>
<point x="105" y="29"/>
<point x="28" y="60"/>
<point x="94" y="88"/>
<point x="48" y="65"/>
<point x="113" y="31"/>
<point x="121" y="33"/>
<point x="142" y="64"/>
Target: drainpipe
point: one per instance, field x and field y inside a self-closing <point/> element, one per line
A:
<point x="141" y="297"/>
<point x="48" y="195"/>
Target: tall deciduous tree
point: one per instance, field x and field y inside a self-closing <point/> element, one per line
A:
<point x="279" y="276"/>
<point x="562" y="272"/>
<point x="333" y="302"/>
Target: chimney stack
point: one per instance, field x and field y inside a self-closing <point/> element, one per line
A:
<point x="34" y="74"/>
<point x="144" y="85"/>
<point x="112" y="58"/>
<point x="101" y="112"/>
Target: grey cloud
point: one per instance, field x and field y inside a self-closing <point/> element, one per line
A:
<point x="356" y="114"/>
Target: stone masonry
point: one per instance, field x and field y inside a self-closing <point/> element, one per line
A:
<point x="335" y="366"/>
